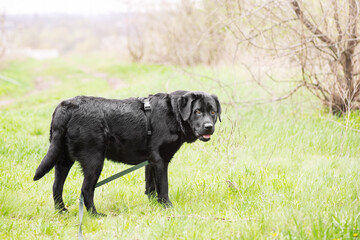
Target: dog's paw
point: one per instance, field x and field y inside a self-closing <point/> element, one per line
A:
<point x="151" y="195"/>
<point x="97" y="214"/>
<point x="62" y="211"/>
<point x="166" y="203"/>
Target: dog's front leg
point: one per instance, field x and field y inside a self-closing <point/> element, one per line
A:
<point x="161" y="179"/>
<point x="150" y="188"/>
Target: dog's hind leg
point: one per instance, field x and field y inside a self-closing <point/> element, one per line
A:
<point x="62" y="168"/>
<point x="92" y="165"/>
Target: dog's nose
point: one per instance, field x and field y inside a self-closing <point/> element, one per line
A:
<point x="208" y="126"/>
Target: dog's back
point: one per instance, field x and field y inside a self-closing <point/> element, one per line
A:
<point x="83" y="123"/>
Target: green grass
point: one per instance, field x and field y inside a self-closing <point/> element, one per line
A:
<point x="286" y="170"/>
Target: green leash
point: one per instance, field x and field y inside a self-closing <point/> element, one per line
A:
<point x="105" y="181"/>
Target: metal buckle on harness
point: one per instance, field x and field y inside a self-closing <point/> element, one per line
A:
<point x="147" y="105"/>
<point x="147" y="108"/>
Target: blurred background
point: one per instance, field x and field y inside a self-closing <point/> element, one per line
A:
<point x="311" y="46"/>
<point x="164" y="31"/>
<point x="48" y="29"/>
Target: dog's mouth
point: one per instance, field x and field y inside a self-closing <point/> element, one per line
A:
<point x="205" y="137"/>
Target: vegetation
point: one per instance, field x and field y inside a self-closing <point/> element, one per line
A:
<point x="320" y="38"/>
<point x="282" y="170"/>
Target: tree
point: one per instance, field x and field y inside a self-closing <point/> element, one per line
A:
<point x="321" y="37"/>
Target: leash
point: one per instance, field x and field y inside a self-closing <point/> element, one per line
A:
<point x="147" y="109"/>
<point x="105" y="181"/>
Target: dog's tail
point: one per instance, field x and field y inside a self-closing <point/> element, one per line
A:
<point x="60" y="118"/>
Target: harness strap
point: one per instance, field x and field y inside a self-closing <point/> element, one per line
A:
<point x="147" y="109"/>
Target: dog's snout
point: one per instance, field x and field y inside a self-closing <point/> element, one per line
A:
<point x="208" y="126"/>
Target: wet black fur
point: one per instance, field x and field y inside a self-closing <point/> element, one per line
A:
<point x="90" y="129"/>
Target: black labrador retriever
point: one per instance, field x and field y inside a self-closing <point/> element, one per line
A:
<point x="90" y="129"/>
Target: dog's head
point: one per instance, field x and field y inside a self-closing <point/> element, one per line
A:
<point x="201" y="110"/>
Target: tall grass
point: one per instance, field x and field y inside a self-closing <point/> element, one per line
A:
<point x="284" y="171"/>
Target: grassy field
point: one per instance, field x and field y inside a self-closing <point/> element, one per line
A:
<point x="285" y="170"/>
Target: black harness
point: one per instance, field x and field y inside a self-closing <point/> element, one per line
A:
<point x="147" y="109"/>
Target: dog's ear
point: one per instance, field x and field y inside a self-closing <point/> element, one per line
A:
<point x="218" y="106"/>
<point x="185" y="105"/>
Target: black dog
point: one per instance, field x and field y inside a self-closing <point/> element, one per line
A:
<point x="89" y="129"/>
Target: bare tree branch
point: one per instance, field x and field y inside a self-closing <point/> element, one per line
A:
<point x="311" y="27"/>
<point x="337" y="21"/>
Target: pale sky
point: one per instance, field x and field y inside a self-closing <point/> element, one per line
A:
<point x="78" y="6"/>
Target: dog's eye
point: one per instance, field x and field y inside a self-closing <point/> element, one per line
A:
<point x="197" y="112"/>
<point x="212" y="112"/>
